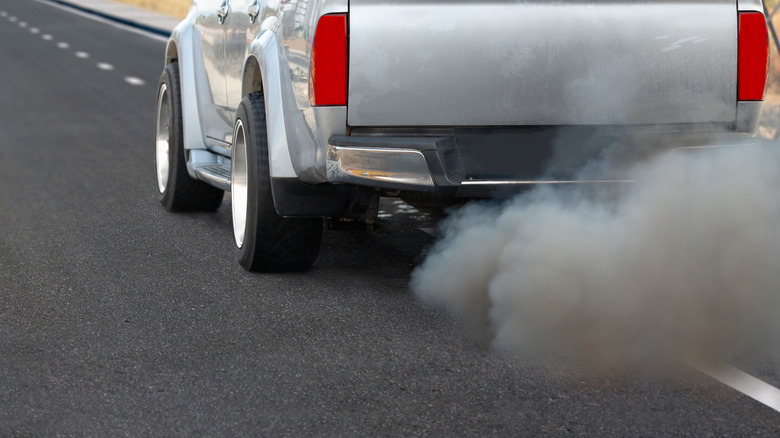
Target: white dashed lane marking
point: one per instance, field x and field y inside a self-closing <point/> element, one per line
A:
<point x="745" y="383"/>
<point x="134" y="81"/>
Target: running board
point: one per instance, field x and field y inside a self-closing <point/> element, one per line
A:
<point x="215" y="175"/>
<point x="211" y="168"/>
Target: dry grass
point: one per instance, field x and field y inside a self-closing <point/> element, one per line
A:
<point x="770" y="117"/>
<point x="174" y="8"/>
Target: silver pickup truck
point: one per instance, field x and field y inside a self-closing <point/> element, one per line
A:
<point x="312" y="109"/>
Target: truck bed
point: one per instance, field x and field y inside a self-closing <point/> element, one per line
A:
<point x="509" y="63"/>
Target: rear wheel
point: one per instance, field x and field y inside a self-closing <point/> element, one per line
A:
<point x="177" y="190"/>
<point x="267" y="241"/>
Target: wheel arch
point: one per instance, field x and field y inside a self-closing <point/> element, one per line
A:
<point x="171" y="52"/>
<point x="297" y="134"/>
<point x="181" y="48"/>
<point x="253" y="77"/>
<point x="263" y="72"/>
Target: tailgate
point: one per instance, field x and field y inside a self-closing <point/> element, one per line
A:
<point x="509" y="62"/>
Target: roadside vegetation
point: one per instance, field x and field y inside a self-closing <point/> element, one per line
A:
<point x="770" y="117"/>
<point x="174" y="8"/>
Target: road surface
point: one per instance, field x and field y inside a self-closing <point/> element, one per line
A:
<point x="119" y="319"/>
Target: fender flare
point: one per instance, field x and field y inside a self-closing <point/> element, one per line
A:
<point x="183" y="42"/>
<point x="292" y="197"/>
<point x="265" y="50"/>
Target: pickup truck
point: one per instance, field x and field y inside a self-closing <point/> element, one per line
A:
<point x="312" y="109"/>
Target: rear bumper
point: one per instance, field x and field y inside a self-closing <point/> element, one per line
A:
<point x="488" y="162"/>
<point x="392" y="163"/>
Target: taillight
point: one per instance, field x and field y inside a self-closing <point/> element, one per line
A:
<point x="328" y="73"/>
<point x="753" y="56"/>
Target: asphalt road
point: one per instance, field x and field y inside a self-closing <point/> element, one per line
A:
<point x="119" y="319"/>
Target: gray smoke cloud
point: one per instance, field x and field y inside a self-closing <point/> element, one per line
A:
<point x="683" y="264"/>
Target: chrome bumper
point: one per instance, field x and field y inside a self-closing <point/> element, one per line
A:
<point x="393" y="163"/>
<point x="489" y="162"/>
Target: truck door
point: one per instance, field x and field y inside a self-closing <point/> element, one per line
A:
<point x="216" y="120"/>
<point x="239" y="27"/>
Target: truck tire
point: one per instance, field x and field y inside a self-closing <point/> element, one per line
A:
<point x="177" y="190"/>
<point x="267" y="241"/>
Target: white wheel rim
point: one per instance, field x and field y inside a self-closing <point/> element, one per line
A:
<point x="238" y="184"/>
<point x="162" y="134"/>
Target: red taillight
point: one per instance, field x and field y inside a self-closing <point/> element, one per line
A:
<point x="753" y="56"/>
<point x="328" y="73"/>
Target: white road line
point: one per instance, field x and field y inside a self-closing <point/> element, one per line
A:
<point x="82" y="55"/>
<point x="103" y="20"/>
<point x="745" y="383"/>
<point x="34" y="30"/>
<point x="3" y="14"/>
<point x="22" y="24"/>
<point x="105" y="66"/>
<point x="63" y="45"/>
<point x="135" y="81"/>
<point x="47" y="37"/>
<point x="12" y="19"/>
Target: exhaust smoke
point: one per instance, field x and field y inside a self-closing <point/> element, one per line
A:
<point x="682" y="264"/>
